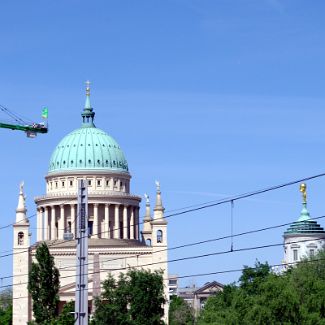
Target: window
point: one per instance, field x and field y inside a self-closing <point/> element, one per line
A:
<point x="121" y="229"/>
<point x="159" y="236"/>
<point x="311" y="252"/>
<point x="20" y="238"/>
<point x="62" y="184"/>
<point x="56" y="184"/>
<point x="148" y="242"/>
<point x="71" y="183"/>
<point x="295" y="254"/>
<point x="107" y="183"/>
<point x="89" y="182"/>
<point x="90" y="228"/>
<point x="98" y="182"/>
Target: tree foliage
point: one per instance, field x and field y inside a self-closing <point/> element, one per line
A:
<point x="43" y="286"/>
<point x="6" y="315"/>
<point x="262" y="297"/>
<point x="136" y="298"/>
<point x="180" y="313"/>
<point x="6" y="307"/>
<point x="66" y="317"/>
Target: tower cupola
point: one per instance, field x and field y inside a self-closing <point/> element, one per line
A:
<point x="88" y="114"/>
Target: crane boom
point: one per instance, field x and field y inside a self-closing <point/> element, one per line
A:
<point x="27" y="128"/>
<point x="31" y="129"/>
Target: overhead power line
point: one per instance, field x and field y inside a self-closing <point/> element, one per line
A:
<point x="315" y="260"/>
<point x="174" y="260"/>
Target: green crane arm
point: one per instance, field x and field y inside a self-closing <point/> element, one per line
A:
<point x="33" y="129"/>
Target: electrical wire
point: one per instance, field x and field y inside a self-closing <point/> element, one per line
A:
<point x="211" y="273"/>
<point x="177" y="259"/>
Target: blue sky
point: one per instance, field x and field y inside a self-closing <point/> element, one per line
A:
<point x="212" y="98"/>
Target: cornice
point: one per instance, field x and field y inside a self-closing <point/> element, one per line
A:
<point x="98" y="197"/>
<point x="88" y="173"/>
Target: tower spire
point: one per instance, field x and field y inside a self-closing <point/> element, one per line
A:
<point x="88" y="114"/>
<point x="159" y="209"/>
<point x="147" y="217"/>
<point x="21" y="207"/>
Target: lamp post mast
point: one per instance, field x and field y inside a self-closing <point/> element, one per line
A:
<point x="81" y="298"/>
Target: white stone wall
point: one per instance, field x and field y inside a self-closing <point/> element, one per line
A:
<point x="303" y="245"/>
<point x="21" y="265"/>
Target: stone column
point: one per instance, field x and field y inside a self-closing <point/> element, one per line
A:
<point x="125" y="222"/>
<point x="132" y="223"/>
<point x="106" y="222"/>
<point x="95" y="226"/>
<point x="61" y="224"/>
<point x="73" y="220"/>
<point x="39" y="225"/>
<point x="137" y="223"/>
<point x="46" y="223"/>
<point x="53" y="232"/>
<point x="116" y="222"/>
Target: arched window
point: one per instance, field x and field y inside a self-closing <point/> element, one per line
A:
<point x="20" y="238"/>
<point x="159" y="236"/>
<point x="148" y="242"/>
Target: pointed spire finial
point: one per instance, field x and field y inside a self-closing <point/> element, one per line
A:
<point x="87" y="88"/>
<point x="158" y="186"/>
<point x="159" y="205"/>
<point x="21" y="187"/>
<point x="87" y="103"/>
<point x="147" y="198"/>
<point x="21" y="207"/>
<point x="147" y="216"/>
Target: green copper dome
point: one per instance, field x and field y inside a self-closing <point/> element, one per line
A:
<point x="304" y="225"/>
<point x="88" y="148"/>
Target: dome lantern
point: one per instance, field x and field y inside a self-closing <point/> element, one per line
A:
<point x="88" y="114"/>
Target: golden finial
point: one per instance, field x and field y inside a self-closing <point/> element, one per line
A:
<point x="87" y="88"/>
<point x="303" y="190"/>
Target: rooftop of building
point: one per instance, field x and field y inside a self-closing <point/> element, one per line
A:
<point x="304" y="225"/>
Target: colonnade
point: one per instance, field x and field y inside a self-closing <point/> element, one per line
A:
<point x="111" y="221"/>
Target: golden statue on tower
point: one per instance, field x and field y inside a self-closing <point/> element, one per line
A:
<point x="303" y="190"/>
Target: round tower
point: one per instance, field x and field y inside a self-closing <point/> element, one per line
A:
<point x="304" y="237"/>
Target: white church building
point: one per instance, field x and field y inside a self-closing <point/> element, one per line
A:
<point x="116" y="242"/>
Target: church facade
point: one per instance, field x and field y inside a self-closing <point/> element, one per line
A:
<point x="116" y="242"/>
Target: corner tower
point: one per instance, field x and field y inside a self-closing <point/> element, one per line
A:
<point x="304" y="237"/>
<point x="21" y="263"/>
